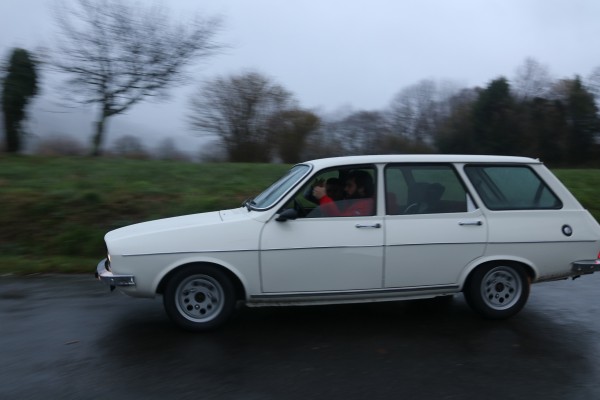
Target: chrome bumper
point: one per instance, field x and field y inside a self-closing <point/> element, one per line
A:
<point x="586" y="267"/>
<point x="106" y="276"/>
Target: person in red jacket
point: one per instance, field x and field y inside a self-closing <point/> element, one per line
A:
<point x="359" y="201"/>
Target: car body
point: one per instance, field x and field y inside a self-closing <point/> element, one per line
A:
<point x="487" y="226"/>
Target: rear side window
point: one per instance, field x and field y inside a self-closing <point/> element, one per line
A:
<point x="508" y="187"/>
<point x="424" y="189"/>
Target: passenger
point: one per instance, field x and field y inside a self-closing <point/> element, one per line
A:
<point x="359" y="191"/>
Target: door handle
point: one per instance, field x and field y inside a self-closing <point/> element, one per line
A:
<point x="470" y="223"/>
<point x="360" y="226"/>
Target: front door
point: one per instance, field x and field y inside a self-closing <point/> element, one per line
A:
<point x="319" y="253"/>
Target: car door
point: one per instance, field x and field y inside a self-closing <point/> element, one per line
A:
<point x="316" y="253"/>
<point x="433" y="229"/>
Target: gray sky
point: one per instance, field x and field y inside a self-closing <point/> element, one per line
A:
<point x="339" y="53"/>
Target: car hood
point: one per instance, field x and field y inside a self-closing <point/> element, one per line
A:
<point x="234" y="229"/>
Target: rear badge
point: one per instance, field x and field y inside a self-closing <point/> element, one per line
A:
<point x="567" y="230"/>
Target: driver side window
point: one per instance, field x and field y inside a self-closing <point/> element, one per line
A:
<point x="337" y="192"/>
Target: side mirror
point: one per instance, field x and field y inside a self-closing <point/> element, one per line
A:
<point x="286" y="214"/>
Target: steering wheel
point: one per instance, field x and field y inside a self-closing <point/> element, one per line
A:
<point x="299" y="208"/>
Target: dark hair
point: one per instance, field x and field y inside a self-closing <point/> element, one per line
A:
<point x="363" y="180"/>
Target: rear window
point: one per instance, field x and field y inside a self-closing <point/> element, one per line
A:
<point x="508" y="187"/>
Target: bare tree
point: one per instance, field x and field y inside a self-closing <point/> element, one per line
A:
<point x="238" y="109"/>
<point x="212" y="152"/>
<point x="416" y="110"/>
<point x="130" y="146"/>
<point x="532" y="80"/>
<point x="116" y="53"/>
<point x="59" y="145"/>
<point x="168" y="150"/>
<point x="290" y="130"/>
<point x="593" y="83"/>
<point x="362" y="132"/>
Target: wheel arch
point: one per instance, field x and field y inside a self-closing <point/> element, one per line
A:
<point x="468" y="273"/>
<point x="240" y="290"/>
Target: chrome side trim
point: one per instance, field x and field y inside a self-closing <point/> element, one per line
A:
<point x="246" y="250"/>
<point x="359" y="293"/>
<point x="492" y="243"/>
<point x="169" y="253"/>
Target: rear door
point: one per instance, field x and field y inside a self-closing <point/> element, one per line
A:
<point x="433" y="228"/>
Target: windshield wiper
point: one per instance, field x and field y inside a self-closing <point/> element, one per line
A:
<point x="249" y="204"/>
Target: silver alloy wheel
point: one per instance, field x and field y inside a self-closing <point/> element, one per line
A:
<point x="501" y="288"/>
<point x="199" y="298"/>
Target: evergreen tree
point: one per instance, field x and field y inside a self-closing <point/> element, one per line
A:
<point x="544" y="130"/>
<point x="456" y="132"/>
<point x="20" y="85"/>
<point x="494" y="119"/>
<point x="582" y="121"/>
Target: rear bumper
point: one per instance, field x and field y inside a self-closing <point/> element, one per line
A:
<point x="106" y="276"/>
<point x="585" y="267"/>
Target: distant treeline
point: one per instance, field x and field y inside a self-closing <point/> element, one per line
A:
<point x="560" y="125"/>
<point x="532" y="115"/>
<point x="250" y="118"/>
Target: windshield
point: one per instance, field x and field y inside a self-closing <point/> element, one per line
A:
<point x="270" y="196"/>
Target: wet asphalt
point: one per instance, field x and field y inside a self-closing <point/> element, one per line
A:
<point x="68" y="337"/>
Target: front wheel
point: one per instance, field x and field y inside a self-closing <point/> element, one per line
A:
<point x="497" y="291"/>
<point x="199" y="298"/>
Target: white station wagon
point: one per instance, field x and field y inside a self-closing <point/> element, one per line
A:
<point x="362" y="229"/>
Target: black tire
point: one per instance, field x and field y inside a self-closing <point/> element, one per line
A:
<point x="497" y="291"/>
<point x="199" y="298"/>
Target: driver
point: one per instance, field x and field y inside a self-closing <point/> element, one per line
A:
<point x="358" y="190"/>
<point x="333" y="188"/>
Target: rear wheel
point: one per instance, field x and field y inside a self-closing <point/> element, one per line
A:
<point x="199" y="297"/>
<point x="497" y="291"/>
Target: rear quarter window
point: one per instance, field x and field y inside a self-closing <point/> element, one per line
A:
<point x="511" y="187"/>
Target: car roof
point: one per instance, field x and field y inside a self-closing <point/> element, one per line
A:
<point x="419" y="158"/>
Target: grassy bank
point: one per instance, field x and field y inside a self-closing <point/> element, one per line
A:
<point x="54" y="212"/>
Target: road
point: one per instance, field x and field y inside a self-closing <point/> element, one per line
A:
<point x="68" y="337"/>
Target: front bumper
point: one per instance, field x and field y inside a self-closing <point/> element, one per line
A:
<point x="106" y="276"/>
<point x="585" y="267"/>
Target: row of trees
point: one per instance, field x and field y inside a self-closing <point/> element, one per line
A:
<point x="561" y="128"/>
<point x="115" y="54"/>
<point x="127" y="146"/>
<point x="555" y="120"/>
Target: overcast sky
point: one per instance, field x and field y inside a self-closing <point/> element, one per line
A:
<point x="338" y="53"/>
